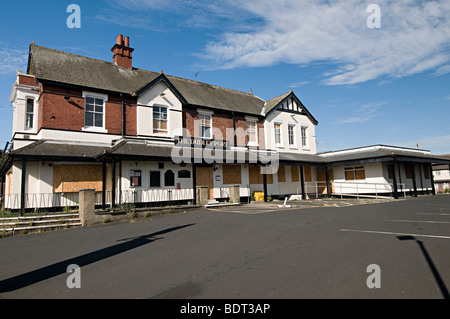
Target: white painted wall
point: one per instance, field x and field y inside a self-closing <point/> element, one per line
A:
<point x="286" y="119"/>
<point x="160" y="95"/>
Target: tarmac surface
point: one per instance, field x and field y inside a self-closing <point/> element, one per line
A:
<point x="312" y="250"/>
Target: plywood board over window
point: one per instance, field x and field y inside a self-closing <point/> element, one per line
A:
<point x="256" y="177"/>
<point x="231" y="174"/>
<point x="71" y="178"/>
<point x="307" y="172"/>
<point x="282" y="174"/>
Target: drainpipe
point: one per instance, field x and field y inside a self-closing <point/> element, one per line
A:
<point x="123" y="116"/>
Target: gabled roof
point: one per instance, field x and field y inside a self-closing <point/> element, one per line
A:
<point x="62" y="67"/>
<point x="274" y="104"/>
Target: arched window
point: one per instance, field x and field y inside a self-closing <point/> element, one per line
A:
<point x="169" y="178"/>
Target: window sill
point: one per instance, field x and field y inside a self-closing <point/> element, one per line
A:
<point x="279" y="146"/>
<point x="253" y="144"/>
<point x="94" y="129"/>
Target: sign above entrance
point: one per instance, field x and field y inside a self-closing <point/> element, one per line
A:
<point x="200" y="142"/>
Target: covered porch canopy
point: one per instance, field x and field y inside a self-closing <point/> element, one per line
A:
<point x="385" y="154"/>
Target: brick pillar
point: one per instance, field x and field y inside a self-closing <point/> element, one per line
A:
<point x="87" y="206"/>
<point x="235" y="195"/>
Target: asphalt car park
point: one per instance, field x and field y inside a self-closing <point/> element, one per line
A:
<point x="320" y="249"/>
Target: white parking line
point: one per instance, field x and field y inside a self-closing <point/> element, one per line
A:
<point x="417" y="221"/>
<point x="392" y="233"/>
<point x="439" y="214"/>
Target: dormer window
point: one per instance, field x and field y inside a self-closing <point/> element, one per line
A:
<point x="160" y="120"/>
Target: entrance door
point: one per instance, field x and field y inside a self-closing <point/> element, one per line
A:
<point x="205" y="177"/>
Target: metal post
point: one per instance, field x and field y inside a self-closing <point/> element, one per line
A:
<point x="113" y="194"/>
<point x="104" y="185"/>
<point x="413" y="168"/>
<point x="22" y="187"/>
<point x="194" y="182"/>
<point x="433" y="190"/>
<point x="302" y="182"/>
<point x="265" y="187"/>
<point x="327" y="177"/>
<point x="394" y="179"/>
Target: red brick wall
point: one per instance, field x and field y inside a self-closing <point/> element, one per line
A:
<point x="27" y="80"/>
<point x="221" y="121"/>
<point x="56" y="112"/>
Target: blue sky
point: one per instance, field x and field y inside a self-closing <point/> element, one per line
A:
<point x="365" y="86"/>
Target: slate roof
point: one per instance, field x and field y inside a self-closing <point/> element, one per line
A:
<point x="62" y="67"/>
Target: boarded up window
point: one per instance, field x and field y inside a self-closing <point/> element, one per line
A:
<point x="360" y="173"/>
<point x="295" y="174"/>
<point x="307" y="173"/>
<point x="256" y="177"/>
<point x="355" y="173"/>
<point x="282" y="174"/>
<point x="231" y="174"/>
<point x="408" y="171"/>
<point x="72" y="178"/>
<point x="426" y="171"/>
<point x="390" y="175"/>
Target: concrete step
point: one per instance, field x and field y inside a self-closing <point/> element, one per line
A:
<point x="37" y="223"/>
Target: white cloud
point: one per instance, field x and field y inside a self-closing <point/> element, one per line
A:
<point x="414" y="37"/>
<point x="12" y="59"/>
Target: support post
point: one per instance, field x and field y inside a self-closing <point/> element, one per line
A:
<point x="413" y="168"/>
<point x="104" y="185"/>
<point x="302" y="182"/>
<point x="22" y="187"/>
<point x="265" y="187"/>
<point x="433" y="190"/>
<point x="327" y="177"/>
<point x="394" y="179"/>
<point x="194" y="182"/>
<point x="113" y="191"/>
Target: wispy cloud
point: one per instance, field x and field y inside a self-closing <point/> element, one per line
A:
<point x="364" y="113"/>
<point x="13" y="58"/>
<point x="414" y="34"/>
<point x="298" y="84"/>
<point x="414" y="37"/>
<point x="437" y="144"/>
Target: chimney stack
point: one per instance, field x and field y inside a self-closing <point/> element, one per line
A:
<point x="122" y="53"/>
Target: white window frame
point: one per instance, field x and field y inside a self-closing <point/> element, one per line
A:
<point x="33" y="113"/>
<point x="280" y="144"/>
<point x="103" y="97"/>
<point x="305" y="145"/>
<point x="153" y="128"/>
<point x="255" y="122"/>
<point x="141" y="178"/>
<point x="294" y="144"/>
<point x="205" y="113"/>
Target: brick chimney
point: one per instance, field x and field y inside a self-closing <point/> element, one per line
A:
<point x="122" y="53"/>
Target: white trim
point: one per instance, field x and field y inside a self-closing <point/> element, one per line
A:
<point x="97" y="129"/>
<point x="252" y="120"/>
<point x="210" y="124"/>
<point x="306" y="146"/>
<point x="168" y="120"/>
